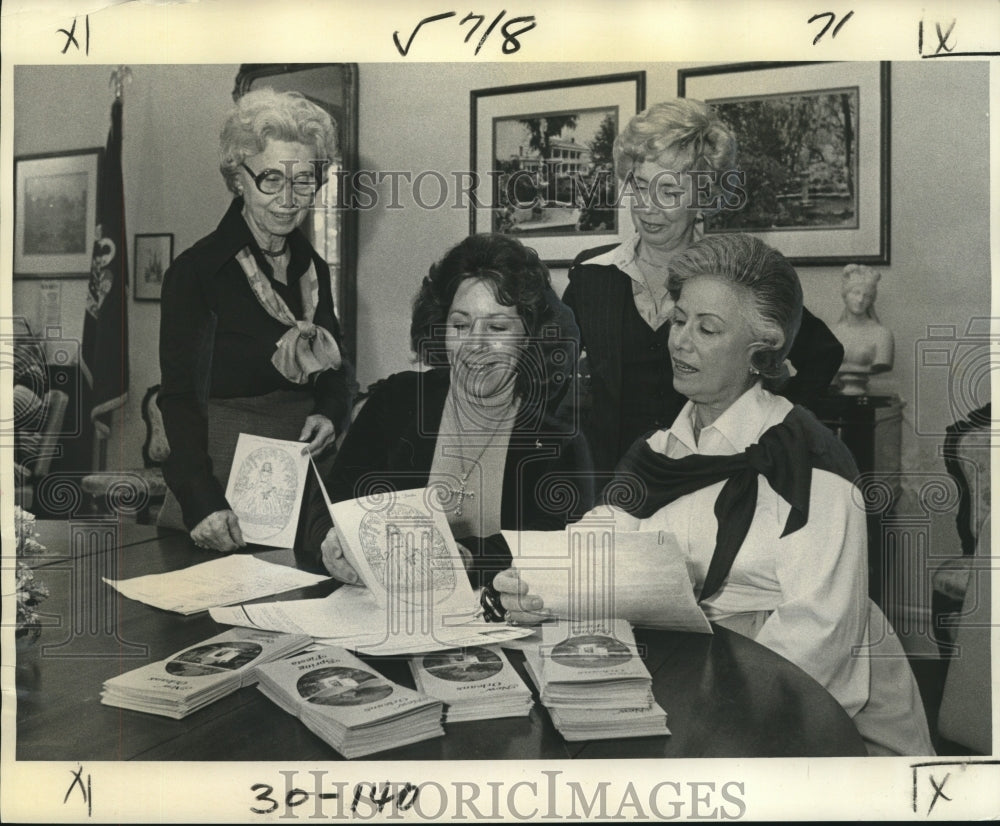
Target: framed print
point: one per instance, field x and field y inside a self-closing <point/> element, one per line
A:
<point x="541" y="161"/>
<point x="55" y="213"/>
<point x="154" y="252"/>
<point x="813" y="144"/>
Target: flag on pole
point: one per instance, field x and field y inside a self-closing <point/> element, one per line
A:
<point x="104" y="357"/>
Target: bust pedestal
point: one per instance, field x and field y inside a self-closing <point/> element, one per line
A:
<point x="872" y="428"/>
<point x="853" y="384"/>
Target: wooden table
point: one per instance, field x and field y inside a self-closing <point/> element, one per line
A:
<point x="725" y="696"/>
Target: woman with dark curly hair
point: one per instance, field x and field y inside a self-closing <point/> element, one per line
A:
<point x="479" y="427"/>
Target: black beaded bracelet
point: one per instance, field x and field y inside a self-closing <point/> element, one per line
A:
<point x="493" y="610"/>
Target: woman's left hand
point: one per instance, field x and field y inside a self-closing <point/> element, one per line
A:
<point x="523" y="607"/>
<point x="319" y="432"/>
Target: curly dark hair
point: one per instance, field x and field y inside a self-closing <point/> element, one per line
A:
<point x="518" y="279"/>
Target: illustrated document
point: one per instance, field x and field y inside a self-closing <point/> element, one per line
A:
<point x="265" y="488"/>
<point x="403" y="550"/>
<point x="589" y="571"/>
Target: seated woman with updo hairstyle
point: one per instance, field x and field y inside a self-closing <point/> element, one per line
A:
<point x="479" y="427"/>
<point x="759" y="495"/>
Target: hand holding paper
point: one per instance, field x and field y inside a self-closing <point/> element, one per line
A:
<point x="335" y="561"/>
<point x="591" y="571"/>
<point x="265" y="489"/>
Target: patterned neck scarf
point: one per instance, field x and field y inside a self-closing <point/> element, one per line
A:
<point x="306" y="348"/>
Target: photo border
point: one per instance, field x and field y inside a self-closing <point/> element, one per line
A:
<point x="70" y="265"/>
<point x="869" y="242"/>
<point x="619" y="90"/>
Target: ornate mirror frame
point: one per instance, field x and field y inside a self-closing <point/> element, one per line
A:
<point x="333" y="231"/>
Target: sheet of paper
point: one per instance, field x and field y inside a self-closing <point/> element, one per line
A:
<point x="347" y="612"/>
<point x="265" y="488"/>
<point x="350" y="617"/>
<point x="223" y="581"/>
<point x="591" y="571"/>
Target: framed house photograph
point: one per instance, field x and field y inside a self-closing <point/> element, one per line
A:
<point x="55" y="213"/>
<point x="541" y="158"/>
<point x="154" y="252"/>
<point x="813" y="144"/>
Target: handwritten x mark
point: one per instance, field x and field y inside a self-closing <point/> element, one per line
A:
<point x="938" y="791"/>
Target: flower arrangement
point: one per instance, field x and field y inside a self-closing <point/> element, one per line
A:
<point x="30" y="591"/>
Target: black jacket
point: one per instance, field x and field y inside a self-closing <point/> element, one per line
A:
<point x="216" y="341"/>
<point x="391" y="446"/>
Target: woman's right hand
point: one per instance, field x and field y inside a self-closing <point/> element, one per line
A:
<point x="219" y="531"/>
<point x="334" y="560"/>
<point x="522" y="607"/>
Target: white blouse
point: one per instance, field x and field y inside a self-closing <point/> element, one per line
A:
<point x="806" y="593"/>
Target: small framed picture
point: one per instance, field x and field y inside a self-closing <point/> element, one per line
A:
<point x="154" y="252"/>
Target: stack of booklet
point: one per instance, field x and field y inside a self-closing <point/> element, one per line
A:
<point x="348" y="704"/>
<point x="201" y="674"/>
<point x="593" y="683"/>
<point x="475" y="683"/>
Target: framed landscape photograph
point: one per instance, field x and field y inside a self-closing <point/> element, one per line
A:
<point x="814" y="148"/>
<point x="55" y="213"/>
<point x="154" y="252"/>
<point x="541" y="158"/>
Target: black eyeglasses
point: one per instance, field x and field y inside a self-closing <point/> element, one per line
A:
<point x="273" y="181"/>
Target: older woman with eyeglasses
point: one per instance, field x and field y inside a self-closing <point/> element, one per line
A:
<point x="249" y="341"/>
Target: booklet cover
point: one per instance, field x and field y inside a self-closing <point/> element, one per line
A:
<point x="581" y="652"/>
<point x="201" y="673"/>
<point x="265" y="488"/>
<point x="349" y="704"/>
<point x="476" y="683"/>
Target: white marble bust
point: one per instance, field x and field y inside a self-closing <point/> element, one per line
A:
<point x="868" y="346"/>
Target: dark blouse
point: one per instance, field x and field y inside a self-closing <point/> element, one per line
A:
<point x="216" y="341"/>
<point x="648" y="397"/>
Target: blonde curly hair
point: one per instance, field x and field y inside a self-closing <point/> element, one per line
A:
<point x="265" y="115"/>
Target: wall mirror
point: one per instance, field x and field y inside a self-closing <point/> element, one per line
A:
<point x="333" y="230"/>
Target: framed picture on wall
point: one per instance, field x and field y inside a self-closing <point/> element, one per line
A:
<point x="814" y="149"/>
<point x="541" y="162"/>
<point x="154" y="252"/>
<point x="55" y="213"/>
